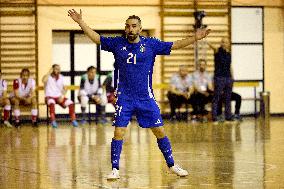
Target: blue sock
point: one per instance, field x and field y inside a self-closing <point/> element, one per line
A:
<point x="165" y="147"/>
<point x="116" y="147"/>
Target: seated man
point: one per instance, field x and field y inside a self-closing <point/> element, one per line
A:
<point x="234" y="97"/>
<point x="55" y="90"/>
<point x="203" y="88"/>
<point x="24" y="94"/>
<point x="4" y="101"/>
<point x="180" y="91"/>
<point x="90" y="90"/>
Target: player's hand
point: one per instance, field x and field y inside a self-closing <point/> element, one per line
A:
<point x="75" y="15"/>
<point x="188" y="96"/>
<point x="185" y="95"/>
<point x="60" y="99"/>
<point x="97" y="99"/>
<point x="201" y="33"/>
<point x="50" y="70"/>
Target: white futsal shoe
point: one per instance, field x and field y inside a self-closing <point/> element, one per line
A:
<point x="176" y="169"/>
<point x="7" y="124"/>
<point x="113" y="175"/>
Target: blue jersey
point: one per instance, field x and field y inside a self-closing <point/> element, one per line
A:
<point x="134" y="64"/>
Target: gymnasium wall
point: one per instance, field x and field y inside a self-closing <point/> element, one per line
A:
<point x="99" y="18"/>
<point x="51" y="17"/>
<point x="274" y="57"/>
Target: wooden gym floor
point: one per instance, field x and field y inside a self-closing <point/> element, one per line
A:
<point x="245" y="155"/>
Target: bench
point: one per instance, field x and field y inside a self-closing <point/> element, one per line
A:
<point x="253" y="84"/>
<point x="69" y="88"/>
<point x="41" y="88"/>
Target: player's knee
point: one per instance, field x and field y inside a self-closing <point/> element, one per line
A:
<point x="50" y="101"/>
<point x="83" y="93"/>
<point x="68" y="102"/>
<point x="84" y="101"/>
<point x="119" y="133"/>
<point x="16" y="102"/>
<point x="159" y="132"/>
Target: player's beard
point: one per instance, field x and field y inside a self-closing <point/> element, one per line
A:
<point x="131" y="36"/>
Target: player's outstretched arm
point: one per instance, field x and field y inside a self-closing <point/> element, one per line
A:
<point x="199" y="34"/>
<point x="94" y="36"/>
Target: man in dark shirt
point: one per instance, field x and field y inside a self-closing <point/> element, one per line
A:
<point x="223" y="81"/>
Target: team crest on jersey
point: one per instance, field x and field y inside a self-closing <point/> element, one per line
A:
<point x="142" y="48"/>
<point x="123" y="49"/>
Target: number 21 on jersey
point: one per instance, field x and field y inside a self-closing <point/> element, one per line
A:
<point x="131" y="58"/>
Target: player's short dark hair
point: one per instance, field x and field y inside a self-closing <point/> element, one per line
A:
<point x="91" y="68"/>
<point x="25" y="70"/>
<point x="135" y="17"/>
<point x="54" y="65"/>
<point x="202" y="60"/>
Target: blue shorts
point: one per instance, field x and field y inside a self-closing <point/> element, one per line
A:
<point x="147" y="113"/>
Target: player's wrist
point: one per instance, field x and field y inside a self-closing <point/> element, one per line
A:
<point x="80" y="21"/>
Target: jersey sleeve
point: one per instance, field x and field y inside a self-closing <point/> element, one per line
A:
<point x="63" y="81"/>
<point x="173" y="81"/>
<point x="210" y="79"/>
<point x="108" y="43"/>
<point x="161" y="47"/>
<point x="4" y="83"/>
<point x="33" y="85"/>
<point x="16" y="84"/>
<point x="190" y="80"/>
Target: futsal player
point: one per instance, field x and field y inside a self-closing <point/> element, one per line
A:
<point x="4" y="101"/>
<point x="134" y="58"/>
<point x="90" y="90"/>
<point x="55" y="91"/>
<point x="24" y="94"/>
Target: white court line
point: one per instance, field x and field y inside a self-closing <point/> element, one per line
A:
<point x="162" y="186"/>
<point x="270" y="181"/>
<point x="173" y="187"/>
<point x="247" y="182"/>
<point x="205" y="184"/>
<point x="101" y="186"/>
<point x="225" y="173"/>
